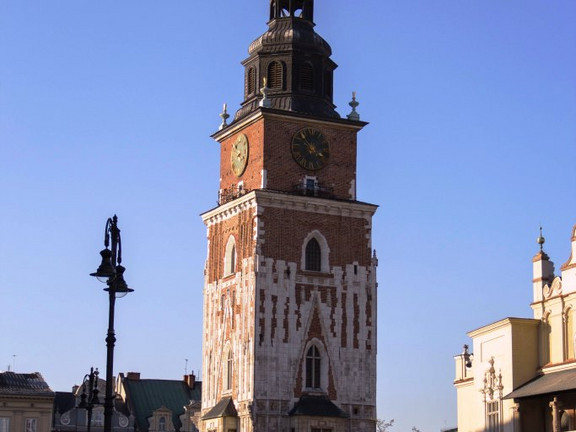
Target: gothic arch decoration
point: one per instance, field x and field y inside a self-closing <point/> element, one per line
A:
<point x="309" y="247"/>
<point x="230" y="257"/>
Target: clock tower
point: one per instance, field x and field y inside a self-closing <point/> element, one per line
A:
<point x="289" y="335"/>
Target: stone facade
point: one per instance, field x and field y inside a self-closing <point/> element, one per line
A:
<point x="289" y="337"/>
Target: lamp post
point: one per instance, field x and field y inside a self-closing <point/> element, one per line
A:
<point x="111" y="272"/>
<point x="87" y="401"/>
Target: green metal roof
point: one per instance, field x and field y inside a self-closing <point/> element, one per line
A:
<point x="144" y="396"/>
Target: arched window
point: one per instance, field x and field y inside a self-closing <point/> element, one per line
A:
<point x="229" y="371"/>
<point x="307" y="77"/>
<point x="230" y="257"/>
<point x="313" y="367"/>
<point x="162" y="424"/>
<point x="275" y="76"/>
<point x="313" y="255"/>
<point x="251" y="81"/>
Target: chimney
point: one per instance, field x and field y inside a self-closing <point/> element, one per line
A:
<point x="190" y="380"/>
<point x="133" y="376"/>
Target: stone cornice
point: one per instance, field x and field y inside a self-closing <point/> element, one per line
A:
<point x="263" y="198"/>
<point x="501" y="324"/>
<point x="269" y="113"/>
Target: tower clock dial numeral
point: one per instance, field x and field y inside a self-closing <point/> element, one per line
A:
<point x="239" y="155"/>
<point x="310" y="149"/>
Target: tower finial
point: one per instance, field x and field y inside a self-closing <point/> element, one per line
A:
<point x="265" y="102"/>
<point x="353" y="115"/>
<point x="224" y="116"/>
<point x="541" y="240"/>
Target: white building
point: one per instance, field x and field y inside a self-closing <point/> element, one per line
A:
<point x="521" y="376"/>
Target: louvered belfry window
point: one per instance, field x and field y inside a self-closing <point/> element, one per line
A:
<point x="307" y="77"/>
<point x="251" y="85"/>
<point x="275" y="77"/>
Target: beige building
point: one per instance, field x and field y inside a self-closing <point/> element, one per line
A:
<point x="521" y="374"/>
<point x="25" y="403"/>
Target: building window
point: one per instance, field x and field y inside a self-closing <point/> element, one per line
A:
<point x="321" y="430"/>
<point x="313" y="255"/>
<point x="251" y="81"/>
<point x="230" y="257"/>
<point x="4" y="424"/>
<point x="313" y="367"/>
<point x="162" y="424"/>
<point x="493" y="416"/>
<point x="307" y="77"/>
<point x="229" y="370"/>
<point x="31" y="425"/>
<point x="275" y="76"/>
<point x="98" y="417"/>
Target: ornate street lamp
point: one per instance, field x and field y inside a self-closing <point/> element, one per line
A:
<point x="111" y="272"/>
<point x="88" y="401"/>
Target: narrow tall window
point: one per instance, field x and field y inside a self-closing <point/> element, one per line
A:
<point x="162" y="424"/>
<point x="313" y="364"/>
<point x="230" y="257"/>
<point x="4" y="424"/>
<point x="31" y="424"/>
<point x="251" y="78"/>
<point x="275" y="76"/>
<point x="493" y="416"/>
<point x="229" y="370"/>
<point x="313" y="255"/>
<point x="306" y="77"/>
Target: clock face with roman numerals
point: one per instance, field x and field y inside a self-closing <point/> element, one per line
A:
<point x="310" y="149"/>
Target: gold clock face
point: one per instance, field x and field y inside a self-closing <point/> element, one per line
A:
<point x="239" y="155"/>
<point x="310" y="149"/>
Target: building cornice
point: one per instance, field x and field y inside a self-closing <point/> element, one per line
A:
<point x="506" y="322"/>
<point x="268" y="113"/>
<point x="271" y="199"/>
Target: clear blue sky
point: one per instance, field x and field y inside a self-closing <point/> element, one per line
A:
<point x="107" y="107"/>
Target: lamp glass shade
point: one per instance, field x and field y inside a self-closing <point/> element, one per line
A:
<point x="118" y="285"/>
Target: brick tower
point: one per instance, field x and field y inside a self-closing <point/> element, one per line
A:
<point x="289" y="342"/>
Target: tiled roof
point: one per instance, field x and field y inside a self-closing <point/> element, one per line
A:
<point x="224" y="408"/>
<point x="64" y="401"/>
<point x="316" y="406"/>
<point x="553" y="382"/>
<point x="144" y="396"/>
<point x="18" y="384"/>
